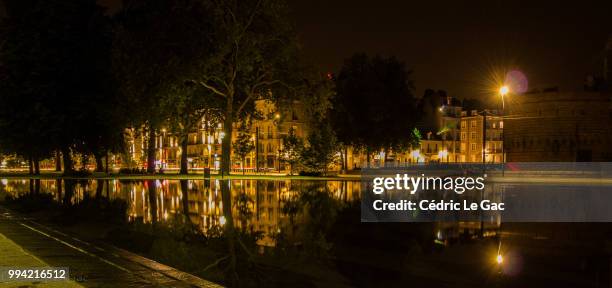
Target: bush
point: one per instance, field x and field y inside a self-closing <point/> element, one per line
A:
<point x="132" y="171"/>
<point x="31" y="202"/>
<point x="311" y="173"/>
<point x="79" y="173"/>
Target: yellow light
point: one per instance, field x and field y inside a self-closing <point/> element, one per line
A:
<point x="277" y="116"/>
<point x="222" y="220"/>
<point x="442" y="154"/>
<point x="504" y="90"/>
<point x="499" y="259"/>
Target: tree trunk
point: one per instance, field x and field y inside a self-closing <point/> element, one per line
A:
<point x="345" y="164"/>
<point x="242" y="164"/>
<point x="31" y="165"/>
<point x="151" y="151"/>
<point x="36" y="166"/>
<point x="184" y="170"/>
<point x="67" y="159"/>
<point x="226" y="143"/>
<point x="386" y="158"/>
<point x="58" y="161"/>
<point x="99" y="164"/>
<point x="106" y="159"/>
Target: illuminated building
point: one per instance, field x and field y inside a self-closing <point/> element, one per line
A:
<point x="550" y="125"/>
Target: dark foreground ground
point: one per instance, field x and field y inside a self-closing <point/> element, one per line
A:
<point x="26" y="243"/>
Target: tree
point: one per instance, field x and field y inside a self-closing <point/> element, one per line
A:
<point x="253" y="58"/>
<point x="51" y="61"/>
<point x="374" y="107"/>
<point x="186" y="108"/>
<point x="291" y="150"/>
<point x="243" y="145"/>
<point x="157" y="45"/>
<point x="321" y="148"/>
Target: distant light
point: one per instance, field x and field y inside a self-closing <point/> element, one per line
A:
<point x="222" y="220"/>
<point x="277" y="116"/>
<point x="441" y="108"/>
<point x="442" y="153"/>
<point x="499" y="259"/>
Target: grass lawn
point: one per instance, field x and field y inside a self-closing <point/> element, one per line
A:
<point x="171" y="176"/>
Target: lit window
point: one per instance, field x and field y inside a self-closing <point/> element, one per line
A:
<point x="463" y="125"/>
<point x="473" y="123"/>
<point x="473" y="147"/>
<point x="473" y="135"/>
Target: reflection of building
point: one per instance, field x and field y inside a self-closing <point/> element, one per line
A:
<point x="551" y="125"/>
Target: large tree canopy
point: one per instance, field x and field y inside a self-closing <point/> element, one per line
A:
<point x="374" y="104"/>
<point x="159" y="45"/>
<point x="255" y="56"/>
<point x="54" y="65"/>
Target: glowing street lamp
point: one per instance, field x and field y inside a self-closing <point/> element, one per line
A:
<point x="503" y="90"/>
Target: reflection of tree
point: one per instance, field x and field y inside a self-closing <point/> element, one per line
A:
<point x="69" y="187"/>
<point x="244" y="206"/>
<point x="318" y="208"/>
<point x="185" y="193"/>
<point x="152" y="185"/>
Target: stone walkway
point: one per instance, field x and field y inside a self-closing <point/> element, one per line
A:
<point x="25" y="243"/>
<point x="12" y="255"/>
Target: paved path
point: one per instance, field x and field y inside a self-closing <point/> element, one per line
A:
<point x="26" y="243"/>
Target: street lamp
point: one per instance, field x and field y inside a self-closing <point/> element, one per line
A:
<point x="503" y="90"/>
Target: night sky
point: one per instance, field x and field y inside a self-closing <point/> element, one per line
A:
<point x="457" y="46"/>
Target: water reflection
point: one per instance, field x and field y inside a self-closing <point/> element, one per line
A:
<point x="268" y="207"/>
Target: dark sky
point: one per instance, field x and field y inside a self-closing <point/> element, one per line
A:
<point x="457" y="46"/>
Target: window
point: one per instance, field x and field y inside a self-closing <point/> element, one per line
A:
<point x="493" y="124"/>
<point x="501" y="124"/>
<point x="473" y="147"/>
<point x="473" y="123"/>
<point x="463" y="136"/>
<point x="463" y="125"/>
<point x="473" y="135"/>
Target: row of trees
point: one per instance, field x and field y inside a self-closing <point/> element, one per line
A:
<point x="72" y="78"/>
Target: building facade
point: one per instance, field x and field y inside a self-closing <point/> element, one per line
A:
<point x="549" y="125"/>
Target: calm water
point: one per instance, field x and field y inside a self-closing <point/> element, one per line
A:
<point x="260" y="205"/>
<point x="294" y="209"/>
<point x="266" y="206"/>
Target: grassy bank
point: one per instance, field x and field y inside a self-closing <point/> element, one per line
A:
<point x="170" y="176"/>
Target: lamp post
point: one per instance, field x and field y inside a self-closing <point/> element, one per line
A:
<point x="503" y="91"/>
